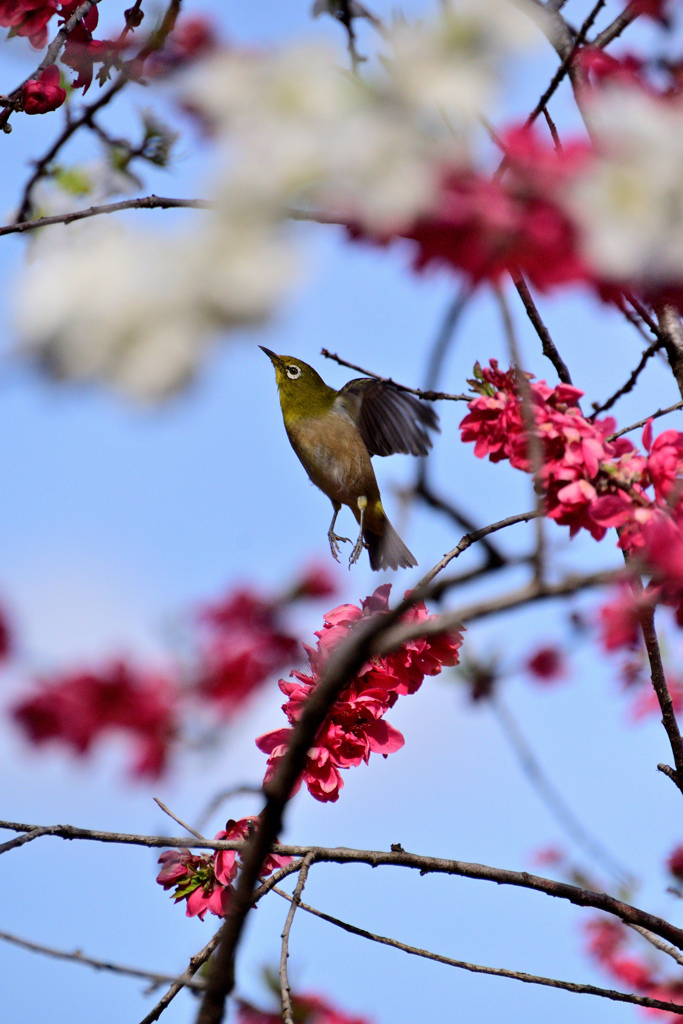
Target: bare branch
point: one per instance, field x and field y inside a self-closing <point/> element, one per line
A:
<point x="632" y="380"/>
<point x="285" y="990"/>
<point x="641" y="423"/>
<point x="615" y="29"/>
<point x="672" y="330"/>
<point x="197" y="961"/>
<point x="175" y="818"/>
<point x="659" y="684"/>
<point x="100" y="965"/>
<point x="548" y="345"/>
<point x="141" y="203"/>
<point x="467" y="541"/>
<point x="397" y="858"/>
<point x="428" y="396"/>
<point x="227" y="794"/>
<point x="500" y="972"/>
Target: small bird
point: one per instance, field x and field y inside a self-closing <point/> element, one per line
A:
<point x="334" y="434"/>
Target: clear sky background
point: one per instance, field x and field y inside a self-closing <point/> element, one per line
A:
<point x="117" y="519"/>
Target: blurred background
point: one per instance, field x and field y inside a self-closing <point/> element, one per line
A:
<point x="117" y="521"/>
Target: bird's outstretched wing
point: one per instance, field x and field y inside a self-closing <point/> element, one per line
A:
<point x="390" y="420"/>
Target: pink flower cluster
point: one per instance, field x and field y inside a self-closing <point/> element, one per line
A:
<point x="80" y="707"/>
<point x="487" y="226"/>
<point x="588" y="482"/>
<point x="28" y="18"/>
<point x="355" y="726"/>
<point x="205" y="881"/>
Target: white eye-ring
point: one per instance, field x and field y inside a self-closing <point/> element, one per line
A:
<point x="293" y="372"/>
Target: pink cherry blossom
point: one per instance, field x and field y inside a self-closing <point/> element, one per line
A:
<point x="355" y="726"/>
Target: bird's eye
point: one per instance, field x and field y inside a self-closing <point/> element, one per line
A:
<point x="293" y="372"/>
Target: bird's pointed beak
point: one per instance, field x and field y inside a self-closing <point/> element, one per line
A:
<point x="275" y="360"/>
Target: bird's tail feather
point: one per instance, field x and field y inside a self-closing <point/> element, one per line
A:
<point x="387" y="550"/>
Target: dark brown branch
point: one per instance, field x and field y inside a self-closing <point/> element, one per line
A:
<point x="423" y="490"/>
<point x="632" y="380"/>
<point x="285" y="990"/>
<point x="615" y="29"/>
<point x="197" y="961"/>
<point x="467" y="541"/>
<point x="672" y="331"/>
<point x="428" y="396"/>
<point x="142" y="203"/>
<point x="500" y="972"/>
<point x="567" y="65"/>
<point x="397" y="858"/>
<point x="99" y="965"/>
<point x="659" y="684"/>
<point x="641" y="423"/>
<point x="548" y="345"/>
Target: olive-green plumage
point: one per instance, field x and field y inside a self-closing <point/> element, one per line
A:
<point x="335" y="433"/>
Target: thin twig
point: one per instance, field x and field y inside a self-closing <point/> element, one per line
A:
<point x="641" y="423"/>
<point x="615" y="29"/>
<point x="500" y="972"/>
<point x="534" y="448"/>
<point x="632" y="380"/>
<point x="100" y="965"/>
<point x="659" y="684"/>
<point x="12" y="844"/>
<point x="226" y="794"/>
<point x="183" y="824"/>
<point x="142" y="203"/>
<point x="567" y="62"/>
<point x="548" y="345"/>
<point x="467" y="541"/>
<point x="428" y="396"/>
<point x="658" y="943"/>
<point x="285" y="990"/>
<point x="551" y="796"/>
<point x="197" y="961"/>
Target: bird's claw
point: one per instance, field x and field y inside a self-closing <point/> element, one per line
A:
<point x="335" y="540"/>
<point x="357" y="550"/>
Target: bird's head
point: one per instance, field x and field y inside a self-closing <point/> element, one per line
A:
<point x="302" y="391"/>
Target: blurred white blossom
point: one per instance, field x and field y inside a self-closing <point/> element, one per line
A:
<point x="628" y="202"/>
<point x="303" y="131"/>
<point x="454" y="64"/>
<point x="101" y="303"/>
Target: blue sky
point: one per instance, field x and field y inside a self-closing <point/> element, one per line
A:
<point x="116" y="519"/>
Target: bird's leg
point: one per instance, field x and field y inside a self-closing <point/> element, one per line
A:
<point x="358" y="546"/>
<point x="333" y="538"/>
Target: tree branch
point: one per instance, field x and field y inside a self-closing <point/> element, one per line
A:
<point x="285" y="990"/>
<point x="500" y="972"/>
<point x="547" y="343"/>
<point x="641" y="423"/>
<point x="100" y="965"/>
<point x="141" y="203"/>
<point x="427" y="396"/>
<point x="401" y="858"/>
